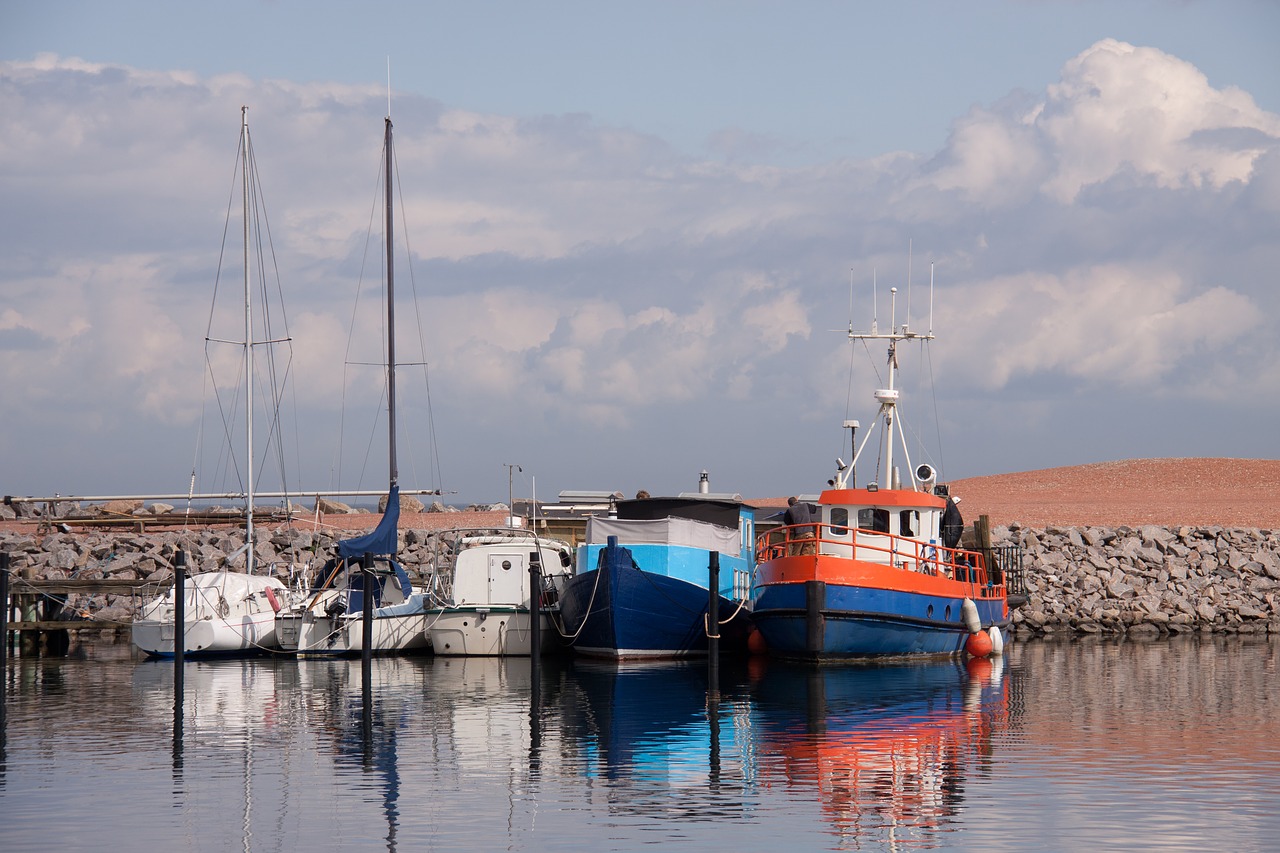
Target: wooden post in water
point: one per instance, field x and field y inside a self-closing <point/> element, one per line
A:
<point x="28" y="607"/>
<point x="535" y="656"/>
<point x="535" y="610"/>
<point x="4" y="631"/>
<point x="179" y="650"/>
<point x="815" y="599"/>
<point x="366" y="634"/>
<point x="179" y="617"/>
<point x="713" y="622"/>
<point x="982" y="533"/>
<point x="366" y="657"/>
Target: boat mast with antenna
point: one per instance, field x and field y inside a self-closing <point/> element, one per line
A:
<point x="887" y="397"/>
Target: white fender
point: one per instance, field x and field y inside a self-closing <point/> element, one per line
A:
<point x="997" y="641"/>
<point x="969" y="613"/>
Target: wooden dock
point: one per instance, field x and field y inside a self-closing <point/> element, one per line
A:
<point x="42" y="626"/>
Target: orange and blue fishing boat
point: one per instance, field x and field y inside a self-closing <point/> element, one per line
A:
<point x="877" y="571"/>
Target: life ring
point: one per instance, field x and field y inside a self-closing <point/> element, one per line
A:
<point x="272" y="600"/>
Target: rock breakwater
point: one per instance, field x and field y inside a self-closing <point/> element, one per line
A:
<point x="1085" y="580"/>
<point x="1148" y="579"/>
<point x="148" y="559"/>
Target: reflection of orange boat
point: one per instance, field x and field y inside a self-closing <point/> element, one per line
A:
<point x="886" y="748"/>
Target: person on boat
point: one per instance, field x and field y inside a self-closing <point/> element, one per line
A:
<point x="642" y="494"/>
<point x="952" y="524"/>
<point x="797" y="519"/>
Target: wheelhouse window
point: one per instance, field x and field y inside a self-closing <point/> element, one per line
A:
<point x="909" y="522"/>
<point x="870" y="518"/>
<point x="839" y="521"/>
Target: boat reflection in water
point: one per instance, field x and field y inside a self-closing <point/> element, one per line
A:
<point x="667" y="748"/>
<point x="886" y="749"/>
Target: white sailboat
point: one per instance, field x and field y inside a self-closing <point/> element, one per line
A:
<point x="330" y="621"/>
<point x="225" y="612"/>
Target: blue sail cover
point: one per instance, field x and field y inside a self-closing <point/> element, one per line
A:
<point x="382" y="540"/>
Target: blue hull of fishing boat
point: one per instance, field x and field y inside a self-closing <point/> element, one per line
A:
<point x="858" y="622"/>
<point x="620" y="610"/>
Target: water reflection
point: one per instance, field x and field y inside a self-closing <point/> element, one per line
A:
<point x="458" y="754"/>
<point x="886" y="749"/>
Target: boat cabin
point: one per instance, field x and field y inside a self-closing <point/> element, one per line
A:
<point x="903" y="528"/>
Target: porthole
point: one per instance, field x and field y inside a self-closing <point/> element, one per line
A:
<point x="929" y="612"/>
<point x="948" y="612"/>
<point x="506" y="565"/>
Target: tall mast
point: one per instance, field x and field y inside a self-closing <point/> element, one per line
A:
<point x="391" y="323"/>
<point x="888" y="397"/>
<point x="248" y="347"/>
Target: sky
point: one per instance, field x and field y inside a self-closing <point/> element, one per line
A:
<point x="631" y="237"/>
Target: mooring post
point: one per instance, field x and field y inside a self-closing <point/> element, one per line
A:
<point x="28" y="610"/>
<point x="4" y="599"/>
<point x="535" y="657"/>
<point x="179" y="650"/>
<point x="179" y="617"/>
<point x="366" y="635"/>
<point x="535" y="609"/>
<point x="713" y="622"/>
<point x="815" y="600"/>
<point x="4" y="630"/>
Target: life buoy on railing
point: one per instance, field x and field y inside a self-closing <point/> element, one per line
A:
<point x="272" y="600"/>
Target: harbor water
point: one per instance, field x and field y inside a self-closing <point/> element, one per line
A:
<point x="1071" y="744"/>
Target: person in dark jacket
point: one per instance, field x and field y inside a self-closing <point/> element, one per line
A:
<point x="798" y="518"/>
<point x="952" y="524"/>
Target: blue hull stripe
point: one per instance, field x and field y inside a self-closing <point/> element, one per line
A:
<point x="862" y="622"/>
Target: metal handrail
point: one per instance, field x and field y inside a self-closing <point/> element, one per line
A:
<point x="903" y="553"/>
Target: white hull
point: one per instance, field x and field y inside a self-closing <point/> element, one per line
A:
<point x="492" y="632"/>
<point x="399" y="628"/>
<point x="226" y="613"/>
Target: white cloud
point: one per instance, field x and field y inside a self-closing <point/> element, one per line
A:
<point x="1115" y="231"/>
<point x="1117" y="110"/>
<point x="1108" y="325"/>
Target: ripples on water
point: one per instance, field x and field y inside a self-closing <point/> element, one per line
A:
<point x="1064" y="745"/>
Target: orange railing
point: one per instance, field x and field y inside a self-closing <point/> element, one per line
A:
<point x="872" y="546"/>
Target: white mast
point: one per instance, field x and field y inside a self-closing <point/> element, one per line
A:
<point x="248" y="348"/>
<point x="887" y="397"/>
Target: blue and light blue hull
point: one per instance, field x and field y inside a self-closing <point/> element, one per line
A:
<point x="631" y="605"/>
<point x="861" y="622"/>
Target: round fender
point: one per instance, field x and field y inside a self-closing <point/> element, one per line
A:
<point x="978" y="645"/>
<point x="997" y="640"/>
<point x="272" y="600"/>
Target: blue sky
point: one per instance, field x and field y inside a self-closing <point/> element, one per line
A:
<point x="634" y="225"/>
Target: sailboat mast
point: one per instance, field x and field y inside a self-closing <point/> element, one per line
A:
<point x="391" y="322"/>
<point x="248" y="347"/>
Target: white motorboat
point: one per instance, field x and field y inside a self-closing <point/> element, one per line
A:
<point x="488" y="595"/>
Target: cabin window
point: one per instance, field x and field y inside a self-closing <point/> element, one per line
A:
<point x="506" y="565"/>
<point x="909" y="522"/>
<point x="839" y="521"/>
<point x="870" y="518"/>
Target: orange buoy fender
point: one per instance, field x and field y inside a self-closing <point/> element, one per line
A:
<point x="969" y="615"/>
<point x="755" y="642"/>
<point x="978" y="645"/>
<point x="997" y="640"/>
<point x="272" y="600"/>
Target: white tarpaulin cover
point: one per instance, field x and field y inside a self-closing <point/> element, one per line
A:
<point x="664" y="531"/>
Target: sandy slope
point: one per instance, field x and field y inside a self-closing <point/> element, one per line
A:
<point x="1196" y="492"/>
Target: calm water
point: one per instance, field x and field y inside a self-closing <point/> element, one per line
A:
<point x="1168" y="744"/>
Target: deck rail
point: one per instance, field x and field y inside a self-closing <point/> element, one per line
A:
<point x="901" y="552"/>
